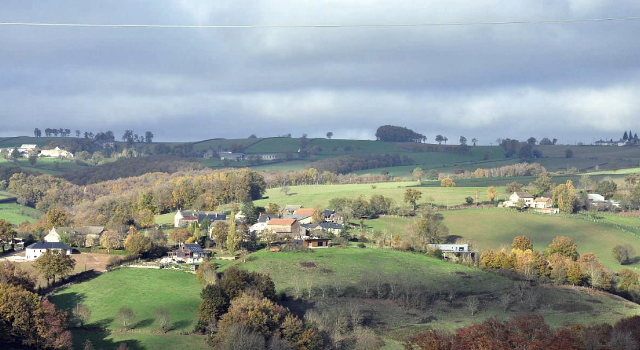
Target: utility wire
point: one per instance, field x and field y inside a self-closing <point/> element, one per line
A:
<point x="285" y="26"/>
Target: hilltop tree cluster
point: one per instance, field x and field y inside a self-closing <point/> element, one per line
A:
<point x="392" y="133"/>
<point x="523" y="150"/>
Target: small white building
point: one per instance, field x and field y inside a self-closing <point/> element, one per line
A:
<point x="55" y="153"/>
<point x="515" y="197"/>
<point x="36" y="249"/>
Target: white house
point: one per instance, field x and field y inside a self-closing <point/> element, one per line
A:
<point x="36" y="249"/>
<point x="517" y="196"/>
<point x="55" y="153"/>
<point x="185" y="218"/>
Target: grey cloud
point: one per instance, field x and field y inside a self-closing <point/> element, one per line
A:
<point x="576" y="81"/>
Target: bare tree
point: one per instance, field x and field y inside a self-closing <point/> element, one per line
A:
<point x="473" y="304"/>
<point x="366" y="339"/>
<point x="297" y="285"/>
<point x="240" y="337"/>
<point x="521" y="289"/>
<point x="82" y="314"/>
<point x="505" y="301"/>
<point x="126" y="317"/>
<point x="163" y="318"/>
<point x="532" y="297"/>
<point x="309" y="287"/>
<point x="621" y="340"/>
<point x="355" y="313"/>
<point x="337" y="286"/>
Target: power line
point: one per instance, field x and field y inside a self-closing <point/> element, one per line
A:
<point x="292" y="26"/>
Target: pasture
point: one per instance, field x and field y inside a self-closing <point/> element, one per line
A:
<point x="144" y="291"/>
<point x="320" y="195"/>
<point x="351" y="267"/>
<point x="17" y="214"/>
<point x="496" y="228"/>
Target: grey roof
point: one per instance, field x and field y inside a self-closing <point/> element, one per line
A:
<point x="49" y="245"/>
<point x="200" y="215"/>
<point x="193" y="247"/>
<point x="297" y="217"/>
<point x="328" y="212"/>
<point x="266" y="217"/>
<point x="83" y="230"/>
<point x="292" y="207"/>
<point x="330" y="225"/>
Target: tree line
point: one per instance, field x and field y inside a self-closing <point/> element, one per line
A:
<point x="351" y="163"/>
<point x="392" y="133"/>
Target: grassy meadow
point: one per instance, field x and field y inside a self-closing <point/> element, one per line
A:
<point x="496" y="228"/>
<point x="17" y="214"/>
<point x="320" y="195"/>
<point x="144" y="291"/>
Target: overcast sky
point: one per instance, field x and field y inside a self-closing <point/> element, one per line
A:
<point x="574" y="82"/>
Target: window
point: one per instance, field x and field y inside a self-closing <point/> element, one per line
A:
<point x="319" y="244"/>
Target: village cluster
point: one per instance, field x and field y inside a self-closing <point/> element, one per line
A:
<point x="526" y="200"/>
<point x="27" y="150"/>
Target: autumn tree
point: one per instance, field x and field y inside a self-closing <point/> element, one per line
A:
<point x="628" y="280"/>
<point x="233" y="237"/>
<point x="219" y="233"/>
<point x="564" y="246"/>
<point x="522" y="242"/>
<point x="207" y="274"/>
<point x="513" y="187"/>
<point x="565" y="198"/>
<point x="447" y="182"/>
<point x="543" y="184"/>
<point x="57" y="218"/>
<point x="178" y="235"/>
<point x="412" y="196"/>
<point x="7" y="233"/>
<point x="606" y="188"/>
<point x="52" y="264"/>
<point x="110" y="240"/>
<point x="137" y="244"/>
<point x="492" y="193"/>
<point x="11" y="273"/>
<point x="429" y="228"/>
<point x="418" y="174"/>
<point x="273" y="209"/>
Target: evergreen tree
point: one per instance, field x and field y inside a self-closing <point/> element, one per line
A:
<point x="625" y="137"/>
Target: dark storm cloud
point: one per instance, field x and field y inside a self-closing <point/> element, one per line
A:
<point x="570" y="81"/>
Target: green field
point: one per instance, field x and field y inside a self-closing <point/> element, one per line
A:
<point x="496" y="228"/>
<point x="17" y="214"/>
<point x="223" y="143"/>
<point x="350" y="266"/>
<point x="144" y="291"/>
<point x="44" y="165"/>
<point x="10" y="142"/>
<point x="320" y="195"/>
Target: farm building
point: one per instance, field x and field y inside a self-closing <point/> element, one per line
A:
<point x="186" y="218"/>
<point x="36" y="249"/>
<point x="284" y="227"/>
<point x="188" y="252"/>
<point x="316" y="243"/>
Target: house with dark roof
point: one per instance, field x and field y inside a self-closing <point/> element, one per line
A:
<point x="36" y="249"/>
<point x="186" y="218"/>
<point x="189" y="253"/>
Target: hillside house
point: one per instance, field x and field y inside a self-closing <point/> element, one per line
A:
<point x="189" y="253"/>
<point x="284" y="227"/>
<point x="331" y="215"/>
<point x="514" y="199"/>
<point x="34" y="251"/>
<point x="330" y="227"/>
<point x="263" y="219"/>
<point x="55" y="153"/>
<point x="186" y="218"/>
<point x="542" y="203"/>
<point x="302" y="219"/>
<point x="290" y="209"/>
<point x="234" y="157"/>
<point x="269" y="156"/>
<point x="454" y="250"/>
<point x="86" y="236"/>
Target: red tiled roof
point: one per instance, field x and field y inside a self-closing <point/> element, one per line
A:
<point x="281" y="222"/>
<point x="304" y="211"/>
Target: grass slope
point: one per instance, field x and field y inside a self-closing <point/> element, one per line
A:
<point x="17" y="214"/>
<point x="144" y="291"/>
<point x="320" y="195"/>
<point x="348" y="266"/>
